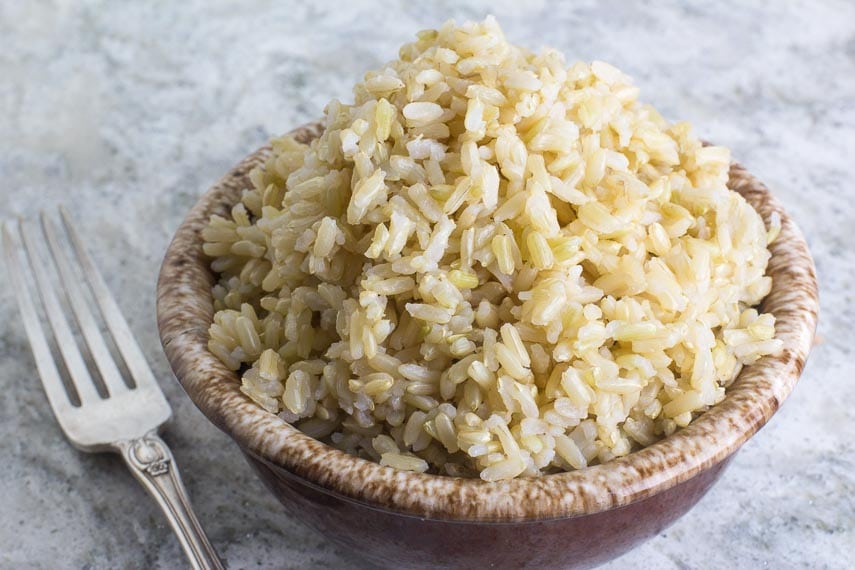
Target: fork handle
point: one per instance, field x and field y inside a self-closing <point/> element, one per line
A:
<point x="153" y="465"/>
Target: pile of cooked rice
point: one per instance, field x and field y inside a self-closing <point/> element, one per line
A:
<point x="490" y="264"/>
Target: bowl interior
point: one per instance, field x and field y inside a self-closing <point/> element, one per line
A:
<point x="185" y="311"/>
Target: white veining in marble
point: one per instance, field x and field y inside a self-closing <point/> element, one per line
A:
<point x="126" y="111"/>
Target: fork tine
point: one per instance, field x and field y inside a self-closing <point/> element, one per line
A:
<point x="64" y="339"/>
<point x="88" y="326"/>
<point x="59" y="399"/>
<point x="127" y="345"/>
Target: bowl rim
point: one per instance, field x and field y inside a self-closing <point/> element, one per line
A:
<point x="185" y="311"/>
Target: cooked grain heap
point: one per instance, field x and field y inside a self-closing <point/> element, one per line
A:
<point x="491" y="263"/>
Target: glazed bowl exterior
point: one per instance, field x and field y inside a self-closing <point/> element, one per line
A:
<point x="414" y="520"/>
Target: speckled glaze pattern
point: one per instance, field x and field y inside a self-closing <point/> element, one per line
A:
<point x="391" y="540"/>
<point x="185" y="311"/>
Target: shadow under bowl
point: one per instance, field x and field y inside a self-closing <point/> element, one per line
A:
<point x="412" y="520"/>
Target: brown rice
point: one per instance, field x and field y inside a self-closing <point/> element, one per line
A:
<point x="490" y="264"/>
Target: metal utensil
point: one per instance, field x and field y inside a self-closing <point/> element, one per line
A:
<point x="122" y="413"/>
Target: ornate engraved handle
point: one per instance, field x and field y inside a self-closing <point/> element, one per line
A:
<point x="151" y="462"/>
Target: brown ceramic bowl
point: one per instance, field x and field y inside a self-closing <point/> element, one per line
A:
<point x="403" y="519"/>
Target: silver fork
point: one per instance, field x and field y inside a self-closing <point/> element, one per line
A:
<point x="126" y="417"/>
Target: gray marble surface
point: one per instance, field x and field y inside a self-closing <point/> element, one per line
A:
<point x="127" y="111"/>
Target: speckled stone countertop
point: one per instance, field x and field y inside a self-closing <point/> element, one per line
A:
<point x="127" y="111"/>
